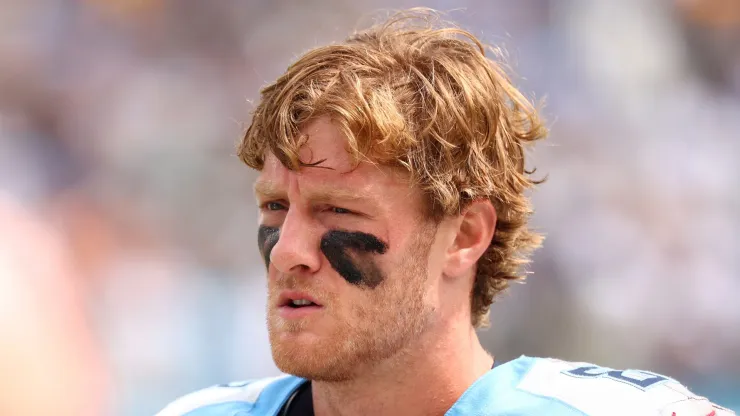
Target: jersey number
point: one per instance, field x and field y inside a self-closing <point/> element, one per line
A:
<point x="642" y="380"/>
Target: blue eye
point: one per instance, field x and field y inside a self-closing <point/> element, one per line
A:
<point x="273" y="206"/>
<point x="338" y="210"/>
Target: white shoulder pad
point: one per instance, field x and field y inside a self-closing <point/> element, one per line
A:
<point x="245" y="391"/>
<point x="600" y="391"/>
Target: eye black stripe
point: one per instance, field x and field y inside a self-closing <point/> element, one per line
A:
<point x="267" y="237"/>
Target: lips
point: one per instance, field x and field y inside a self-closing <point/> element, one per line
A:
<point x="296" y="299"/>
<point x="297" y="305"/>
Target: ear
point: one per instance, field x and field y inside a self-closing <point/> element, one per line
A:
<point x="474" y="232"/>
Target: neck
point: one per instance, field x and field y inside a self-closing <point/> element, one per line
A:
<point x="444" y="365"/>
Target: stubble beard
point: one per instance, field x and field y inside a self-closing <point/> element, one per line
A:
<point x="393" y="315"/>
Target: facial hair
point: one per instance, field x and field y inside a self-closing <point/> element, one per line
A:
<point x="384" y="319"/>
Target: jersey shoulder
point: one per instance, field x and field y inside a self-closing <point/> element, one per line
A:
<point x="594" y="390"/>
<point x="260" y="397"/>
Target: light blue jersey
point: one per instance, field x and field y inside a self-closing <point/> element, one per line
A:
<point x="523" y="387"/>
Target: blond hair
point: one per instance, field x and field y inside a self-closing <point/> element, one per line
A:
<point x="413" y="93"/>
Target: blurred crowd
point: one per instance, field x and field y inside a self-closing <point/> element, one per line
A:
<point x="129" y="272"/>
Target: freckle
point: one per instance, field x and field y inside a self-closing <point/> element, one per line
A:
<point x="361" y="312"/>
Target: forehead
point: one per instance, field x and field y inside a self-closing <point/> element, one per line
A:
<point x="334" y="168"/>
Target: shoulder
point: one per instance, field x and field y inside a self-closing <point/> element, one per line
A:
<point x="254" y="397"/>
<point x="595" y="390"/>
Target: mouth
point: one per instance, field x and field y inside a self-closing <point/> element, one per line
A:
<point x="294" y="305"/>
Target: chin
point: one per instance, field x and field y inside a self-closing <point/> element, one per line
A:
<point x="310" y="356"/>
<point x="311" y="365"/>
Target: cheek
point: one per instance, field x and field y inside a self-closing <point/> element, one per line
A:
<point x="354" y="255"/>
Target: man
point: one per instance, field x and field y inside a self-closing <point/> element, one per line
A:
<point x="391" y="190"/>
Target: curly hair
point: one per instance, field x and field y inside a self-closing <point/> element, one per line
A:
<point x="417" y="93"/>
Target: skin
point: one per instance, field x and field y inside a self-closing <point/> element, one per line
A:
<point x="337" y="245"/>
<point x="404" y="320"/>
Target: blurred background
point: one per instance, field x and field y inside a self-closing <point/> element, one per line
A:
<point x="129" y="273"/>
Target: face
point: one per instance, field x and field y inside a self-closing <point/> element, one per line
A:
<point x="347" y="254"/>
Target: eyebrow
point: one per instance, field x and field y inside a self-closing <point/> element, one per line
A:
<point x="267" y="190"/>
<point x="323" y="194"/>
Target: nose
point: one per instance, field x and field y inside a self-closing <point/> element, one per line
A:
<point x="298" y="247"/>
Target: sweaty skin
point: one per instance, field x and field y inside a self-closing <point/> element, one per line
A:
<point x="336" y="246"/>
